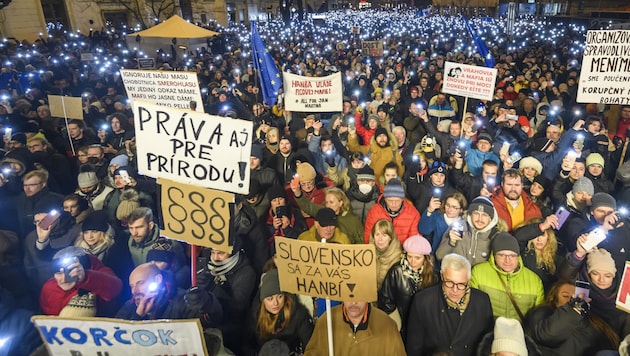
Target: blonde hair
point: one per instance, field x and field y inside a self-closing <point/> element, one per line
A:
<point x="266" y="322"/>
<point x="340" y="195"/>
<point x="547" y="257"/>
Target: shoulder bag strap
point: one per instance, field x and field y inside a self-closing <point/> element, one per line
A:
<point x="509" y="294"/>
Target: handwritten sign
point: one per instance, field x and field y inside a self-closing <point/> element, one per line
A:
<point x="605" y="70"/>
<point x="308" y="94"/>
<point x="104" y="336"/>
<point x="196" y="215"/>
<point x="471" y="81"/>
<point x="192" y="147"/>
<point x="372" y="48"/>
<point x="146" y="63"/>
<point x="623" y="295"/>
<point x="170" y="89"/>
<point x="65" y="106"/>
<point x="327" y="270"/>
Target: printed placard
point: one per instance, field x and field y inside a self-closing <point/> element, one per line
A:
<point x="605" y="72"/>
<point x="308" y="94"/>
<point x="327" y="270"/>
<point x="470" y="81"/>
<point x="105" y="336"/>
<point x="192" y="147"/>
<point x="146" y="63"/>
<point x="372" y="48"/>
<point x="65" y="106"/>
<point x="623" y="294"/>
<point x="166" y="88"/>
<point x="199" y="216"/>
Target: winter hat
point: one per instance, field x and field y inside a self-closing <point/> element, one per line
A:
<point x="485" y="136"/>
<point x="394" y="189"/>
<point x="120" y="160"/>
<point x="543" y="181"/>
<point x="19" y="137"/>
<point x="254" y="188"/>
<point x="437" y="167"/>
<point x="382" y="107"/>
<point x="600" y="260"/>
<point x="603" y="200"/>
<point x="257" y="152"/>
<point x="326" y="217"/>
<point x="380" y="131"/>
<point x="161" y="251"/>
<point x="372" y="117"/>
<point x="83" y="304"/>
<point x="505" y="241"/>
<point x="276" y="191"/>
<point x="418" y="245"/>
<point x="595" y="158"/>
<point x="306" y="172"/>
<point x="366" y="173"/>
<point x="509" y="337"/>
<point x="87" y="179"/>
<point x="129" y="201"/>
<point x="270" y="284"/>
<point x="541" y="144"/>
<point x="531" y="162"/>
<point x="583" y="184"/>
<point x="482" y="204"/>
<point x="96" y="221"/>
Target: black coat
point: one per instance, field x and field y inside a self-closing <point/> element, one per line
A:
<point x="523" y="235"/>
<point x="434" y="327"/>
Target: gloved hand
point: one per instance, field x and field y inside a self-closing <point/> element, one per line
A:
<point x="330" y="159"/>
<point x="196" y="298"/>
<point x="204" y="278"/>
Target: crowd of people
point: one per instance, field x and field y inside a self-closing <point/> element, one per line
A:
<point x="485" y="215"/>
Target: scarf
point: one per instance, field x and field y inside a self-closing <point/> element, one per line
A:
<point x="98" y="249"/>
<point x="410" y="273"/>
<point x="220" y="269"/>
<point x="462" y="304"/>
<point x="386" y="258"/>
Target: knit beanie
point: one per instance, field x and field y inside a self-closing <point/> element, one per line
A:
<point x="531" y="162"/>
<point x="437" y="167"/>
<point x="380" y="131"/>
<point x="372" y="117"/>
<point x="96" y="221"/>
<point x="87" y="179"/>
<point x="583" y="184"/>
<point x="603" y="200"/>
<point x="257" y="151"/>
<point x="366" y="173"/>
<point x="19" y="137"/>
<point x="482" y="204"/>
<point x="276" y="191"/>
<point x="306" y="172"/>
<point x="485" y="136"/>
<point x="129" y="201"/>
<point x="509" y="337"/>
<point x="83" y="304"/>
<point x="161" y="251"/>
<point x="418" y="245"/>
<point x="120" y="160"/>
<point x="600" y="260"/>
<point x="594" y="158"/>
<point x="504" y="241"/>
<point x="270" y="284"/>
<point x="394" y="189"/>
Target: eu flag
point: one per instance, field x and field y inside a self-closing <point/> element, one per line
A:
<point x="488" y="59"/>
<point x="270" y="80"/>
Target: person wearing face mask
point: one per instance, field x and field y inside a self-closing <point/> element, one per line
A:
<point x="96" y="157"/>
<point x="91" y="188"/>
<point x="363" y="193"/>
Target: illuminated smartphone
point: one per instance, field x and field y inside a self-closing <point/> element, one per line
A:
<point x="594" y="238"/>
<point x="125" y="176"/>
<point x="563" y="214"/>
<point x="505" y="148"/>
<point x="582" y="287"/>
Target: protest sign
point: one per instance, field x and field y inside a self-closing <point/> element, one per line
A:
<point x="327" y="270"/>
<point x="199" y="216"/>
<point x="65" y="106"/>
<point x="146" y="63"/>
<point x="605" y="72"/>
<point x="86" y="57"/>
<point x="166" y="88"/>
<point x="372" y="48"/>
<point x="469" y="81"/>
<point x="104" y="336"/>
<point x="623" y="294"/>
<point x="309" y="94"/>
<point x="192" y="147"/>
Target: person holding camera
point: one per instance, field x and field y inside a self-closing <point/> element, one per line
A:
<point x="282" y="219"/>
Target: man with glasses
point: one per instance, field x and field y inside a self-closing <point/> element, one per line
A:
<point x="450" y="317"/>
<point x="513" y="288"/>
<point x="35" y="188"/>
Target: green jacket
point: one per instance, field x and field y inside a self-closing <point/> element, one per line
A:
<point x="525" y="286"/>
<point x="348" y="223"/>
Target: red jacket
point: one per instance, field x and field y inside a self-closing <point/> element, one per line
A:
<point x="500" y="205"/>
<point x="99" y="279"/>
<point x="405" y="224"/>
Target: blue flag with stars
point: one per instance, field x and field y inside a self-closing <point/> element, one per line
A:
<point x="488" y="59"/>
<point x="270" y="79"/>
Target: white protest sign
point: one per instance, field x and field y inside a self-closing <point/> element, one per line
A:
<point x="469" y="81"/>
<point x="309" y="94"/>
<point x="327" y="270"/>
<point x="623" y="294"/>
<point x="170" y="89"/>
<point x="192" y="147"/>
<point x="103" y="336"/>
<point x="605" y="74"/>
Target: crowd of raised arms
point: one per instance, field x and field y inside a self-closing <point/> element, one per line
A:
<point x="485" y="215"/>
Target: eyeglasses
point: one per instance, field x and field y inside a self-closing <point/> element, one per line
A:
<point x="506" y="255"/>
<point x="451" y="284"/>
<point x="454" y="207"/>
<point x="308" y="184"/>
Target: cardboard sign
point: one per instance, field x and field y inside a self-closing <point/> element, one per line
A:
<point x="372" y="48"/>
<point x="146" y="63"/>
<point x="471" y="81"/>
<point x="170" y="89"/>
<point x="86" y="57"/>
<point x="192" y="147"/>
<point x="605" y="70"/>
<point x="65" y="106"/>
<point x="327" y="270"/>
<point x="308" y="94"/>
<point x="104" y="336"/>
<point x="355" y="30"/>
<point x="623" y="295"/>
<point x="199" y="216"/>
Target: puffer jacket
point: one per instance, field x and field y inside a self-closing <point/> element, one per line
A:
<point x="405" y="223"/>
<point x="525" y="286"/>
<point x="475" y="244"/>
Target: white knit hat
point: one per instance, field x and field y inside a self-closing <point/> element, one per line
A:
<point x="509" y="337"/>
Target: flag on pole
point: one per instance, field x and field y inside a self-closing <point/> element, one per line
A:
<point x="270" y="79"/>
<point x="488" y="59"/>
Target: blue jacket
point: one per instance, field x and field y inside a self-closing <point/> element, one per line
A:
<point x="320" y="159"/>
<point x="475" y="158"/>
<point x="432" y="226"/>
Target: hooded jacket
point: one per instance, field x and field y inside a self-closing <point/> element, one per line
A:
<point x="362" y="203"/>
<point x="379" y="156"/>
<point x="531" y="210"/>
